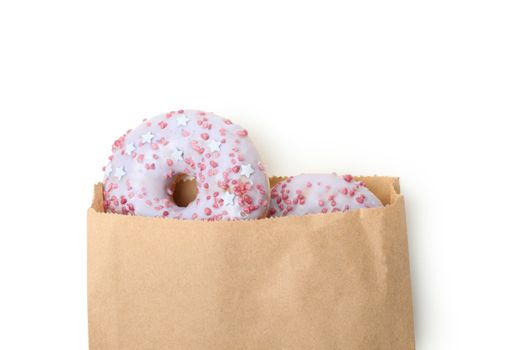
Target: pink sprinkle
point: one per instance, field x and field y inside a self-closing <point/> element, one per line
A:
<point x="242" y="133"/>
<point x="207" y="211"/>
<point x="247" y="199"/>
<point x="140" y="158"/>
<point x="205" y="136"/>
<point x="321" y="203"/>
<point x="348" y="178"/>
<point x="213" y="163"/>
<point x="165" y="213"/>
<point x="196" y="147"/>
<point x="163" y="124"/>
<point x="169" y="162"/>
<point x="360" y="199"/>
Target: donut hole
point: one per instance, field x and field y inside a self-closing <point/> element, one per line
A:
<point x="184" y="190"/>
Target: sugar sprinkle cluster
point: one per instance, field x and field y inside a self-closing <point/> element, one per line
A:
<point x="319" y="193"/>
<point x="145" y="163"/>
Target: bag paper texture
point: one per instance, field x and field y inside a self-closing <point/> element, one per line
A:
<point x="322" y="281"/>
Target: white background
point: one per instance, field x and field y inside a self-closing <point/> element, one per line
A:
<point x="430" y="91"/>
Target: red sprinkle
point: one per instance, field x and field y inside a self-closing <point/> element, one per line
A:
<point x="242" y="133"/>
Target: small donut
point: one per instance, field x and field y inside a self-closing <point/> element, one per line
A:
<point x="148" y="162"/>
<point x="319" y="193"/>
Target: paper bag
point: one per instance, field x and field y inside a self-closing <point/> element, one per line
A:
<point x="323" y="281"/>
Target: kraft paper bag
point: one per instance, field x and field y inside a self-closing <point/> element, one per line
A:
<point x="323" y="281"/>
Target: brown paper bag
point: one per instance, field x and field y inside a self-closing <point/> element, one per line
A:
<point x="324" y="281"/>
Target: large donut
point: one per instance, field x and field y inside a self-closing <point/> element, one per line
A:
<point x="148" y="162"/>
<point x="319" y="193"/>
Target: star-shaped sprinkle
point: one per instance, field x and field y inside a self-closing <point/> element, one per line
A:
<point x="177" y="154"/>
<point x="109" y="169"/>
<point x="214" y="145"/>
<point x="119" y="172"/>
<point x="182" y="120"/>
<point x="146" y="138"/>
<point x="247" y="170"/>
<point x="129" y="148"/>
<point x="228" y="198"/>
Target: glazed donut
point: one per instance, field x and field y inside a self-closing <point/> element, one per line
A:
<point x="319" y="193"/>
<point x="148" y="163"/>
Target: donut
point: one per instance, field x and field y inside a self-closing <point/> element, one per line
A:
<point x="319" y="193"/>
<point x="171" y="151"/>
